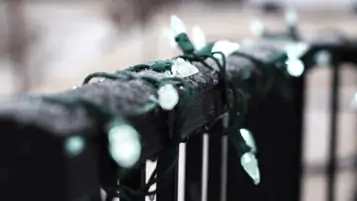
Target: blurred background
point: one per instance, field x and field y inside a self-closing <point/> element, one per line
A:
<point x="49" y="46"/>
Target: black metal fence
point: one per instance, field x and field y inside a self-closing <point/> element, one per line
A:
<point x="37" y="164"/>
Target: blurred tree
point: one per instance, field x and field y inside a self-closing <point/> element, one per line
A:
<point x="18" y="42"/>
<point x="128" y="12"/>
<point x="125" y="14"/>
<point x="271" y="7"/>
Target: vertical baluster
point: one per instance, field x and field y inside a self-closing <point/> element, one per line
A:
<point x="181" y="172"/>
<point x="205" y="166"/>
<point x="224" y="168"/>
<point x="150" y="167"/>
<point x="355" y="158"/>
<point x="331" y="166"/>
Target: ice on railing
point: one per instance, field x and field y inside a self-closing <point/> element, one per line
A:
<point x="182" y="68"/>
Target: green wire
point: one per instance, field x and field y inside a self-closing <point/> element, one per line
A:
<point x="237" y="108"/>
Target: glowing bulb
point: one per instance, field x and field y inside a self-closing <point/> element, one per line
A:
<point x="177" y="25"/>
<point x="257" y="27"/>
<point x="168" y="97"/>
<point x="291" y="17"/>
<point x="124" y="145"/>
<point x="170" y="36"/>
<point x="182" y="68"/>
<point x="249" y="139"/>
<point x="198" y="37"/>
<point x="323" y="58"/>
<point x="226" y="47"/>
<point x="295" y="67"/>
<point x="74" y="145"/>
<point x="354" y="102"/>
<point x="250" y="165"/>
<point x="296" y="50"/>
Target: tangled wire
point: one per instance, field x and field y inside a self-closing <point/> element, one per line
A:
<point x="234" y="104"/>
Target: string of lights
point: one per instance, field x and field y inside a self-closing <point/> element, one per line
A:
<point x="182" y="67"/>
<point x="124" y="143"/>
<point x="176" y="94"/>
<point x="335" y="50"/>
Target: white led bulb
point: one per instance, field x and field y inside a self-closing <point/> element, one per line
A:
<point x="249" y="139"/>
<point x="124" y="145"/>
<point x="295" y="67"/>
<point x="323" y="58"/>
<point x="177" y="25"/>
<point x="296" y="50"/>
<point x="170" y="36"/>
<point x="226" y="47"/>
<point x="291" y="17"/>
<point x="250" y="165"/>
<point x="354" y="102"/>
<point x="198" y="37"/>
<point x="257" y="27"/>
<point x="75" y="145"/>
<point x="168" y="97"/>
